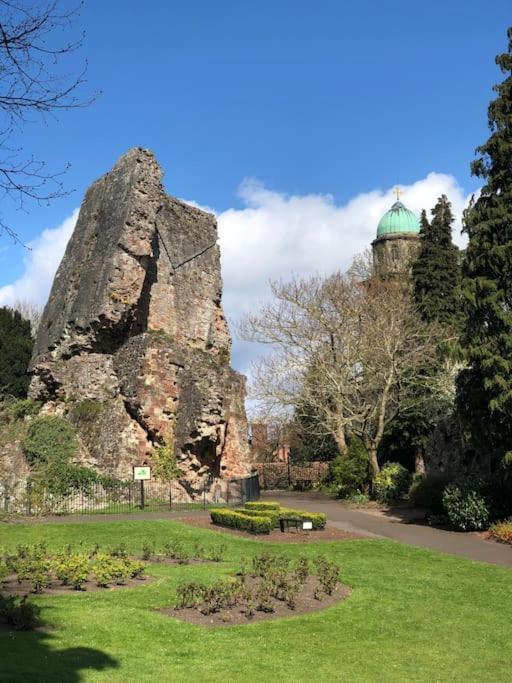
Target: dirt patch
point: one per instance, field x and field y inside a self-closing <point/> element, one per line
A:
<point x="11" y="586"/>
<point x="290" y="536"/>
<point x="306" y="602"/>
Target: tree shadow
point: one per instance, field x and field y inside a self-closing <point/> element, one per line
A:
<point x="27" y="656"/>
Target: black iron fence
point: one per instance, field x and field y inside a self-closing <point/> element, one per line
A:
<point x="29" y="498"/>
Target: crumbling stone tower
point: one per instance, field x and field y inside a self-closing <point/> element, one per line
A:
<point x="134" y="323"/>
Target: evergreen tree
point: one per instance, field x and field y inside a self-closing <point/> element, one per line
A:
<point x="485" y="388"/>
<point x="15" y="350"/>
<point x="436" y="271"/>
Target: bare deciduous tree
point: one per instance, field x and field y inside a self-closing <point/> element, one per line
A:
<point x="346" y="348"/>
<point x="33" y="45"/>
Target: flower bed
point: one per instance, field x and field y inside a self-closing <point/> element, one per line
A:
<point x="273" y="587"/>
<point x="502" y="532"/>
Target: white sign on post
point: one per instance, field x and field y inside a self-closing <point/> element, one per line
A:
<point x="141" y="473"/>
<point x="307" y="525"/>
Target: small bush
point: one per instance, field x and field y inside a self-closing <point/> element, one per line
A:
<point x="72" y="570"/>
<point x="392" y="483"/>
<point x="239" y="520"/>
<point x="87" y="410"/>
<point x="50" y="439"/>
<point x="466" y="505"/>
<point x="19" y="613"/>
<point x="348" y="474"/>
<point x="502" y="531"/>
<point x="263" y="506"/>
<point x="427" y="491"/>
<point x="318" y="519"/>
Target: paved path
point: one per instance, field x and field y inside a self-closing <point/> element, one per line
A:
<point x="372" y="524"/>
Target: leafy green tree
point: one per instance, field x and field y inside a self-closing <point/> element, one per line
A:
<point x="436" y="271"/>
<point x="15" y="351"/>
<point x="165" y="463"/>
<point x="485" y="387"/>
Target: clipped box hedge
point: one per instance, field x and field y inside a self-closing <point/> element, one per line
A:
<point x="318" y="519"/>
<point x="239" y="520"/>
<point x="270" y="514"/>
<point x="264" y="507"/>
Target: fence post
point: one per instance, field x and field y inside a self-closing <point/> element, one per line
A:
<point x="6" y="498"/>
<point x="170" y="494"/>
<point x="29" y="497"/>
<point x="142" y="494"/>
<point x="289" y="474"/>
<point x="204" y="496"/>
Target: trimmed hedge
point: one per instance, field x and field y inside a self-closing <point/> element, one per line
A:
<point x="318" y="519"/>
<point x="271" y="514"/>
<point x="263" y="506"/>
<point x="239" y="520"/>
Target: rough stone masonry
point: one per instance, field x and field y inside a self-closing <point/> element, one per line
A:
<point x="134" y="326"/>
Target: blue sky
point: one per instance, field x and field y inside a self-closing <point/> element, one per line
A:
<point x="311" y="99"/>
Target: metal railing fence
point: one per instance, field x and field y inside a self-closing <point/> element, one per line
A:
<point x="31" y="498"/>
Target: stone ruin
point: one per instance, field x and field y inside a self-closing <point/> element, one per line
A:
<point x="134" y="325"/>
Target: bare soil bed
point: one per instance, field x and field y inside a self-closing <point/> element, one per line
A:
<point x="290" y="536"/>
<point x="11" y="586"/>
<point x="305" y="603"/>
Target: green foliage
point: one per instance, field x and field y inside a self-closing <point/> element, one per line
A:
<point x="50" y="440"/>
<point x="436" y="271"/>
<point x="391" y="483"/>
<point x="328" y="574"/>
<point x="466" y="505"/>
<point x="165" y="464"/>
<point x="16" y="344"/>
<point x="72" y="570"/>
<point x="87" y="410"/>
<point x="427" y="491"/>
<point x="318" y="519"/>
<point x="18" y="409"/>
<point x="349" y="473"/>
<point x="239" y="520"/>
<point x="257" y="505"/>
<point x="485" y="387"/>
<point x="19" y="613"/>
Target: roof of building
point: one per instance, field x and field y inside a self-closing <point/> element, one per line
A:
<point x="398" y="220"/>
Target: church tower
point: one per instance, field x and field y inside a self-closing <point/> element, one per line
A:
<point x="397" y="241"/>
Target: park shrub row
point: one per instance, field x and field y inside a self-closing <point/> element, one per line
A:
<point x="261" y="518"/>
<point x="237" y="519"/>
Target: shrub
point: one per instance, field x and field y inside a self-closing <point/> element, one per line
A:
<point x="87" y="410"/>
<point x="265" y="506"/>
<point x="239" y="520"/>
<point x="72" y="570"/>
<point x="18" y="409"/>
<point x="19" y="613"/>
<point x="466" y="505"/>
<point x="318" y="519"/>
<point x="427" y="491"/>
<point x="273" y="515"/>
<point x="502" y="531"/>
<point x="328" y="574"/>
<point x="392" y="483"/>
<point x="348" y="474"/>
<point x="50" y="439"/>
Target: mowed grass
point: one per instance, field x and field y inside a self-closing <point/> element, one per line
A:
<point x="414" y="615"/>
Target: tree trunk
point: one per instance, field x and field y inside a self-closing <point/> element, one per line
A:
<point x="419" y="462"/>
<point x="341" y="441"/>
<point x="374" y="463"/>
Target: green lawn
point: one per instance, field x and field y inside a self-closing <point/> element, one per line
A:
<point x="414" y="615"/>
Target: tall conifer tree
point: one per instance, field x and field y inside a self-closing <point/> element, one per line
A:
<point x="15" y="350"/>
<point x="436" y="271"/>
<point x="485" y="388"/>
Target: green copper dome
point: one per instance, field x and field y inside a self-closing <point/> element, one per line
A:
<point x="398" y="219"/>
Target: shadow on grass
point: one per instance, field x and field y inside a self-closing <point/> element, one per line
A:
<point x="31" y="656"/>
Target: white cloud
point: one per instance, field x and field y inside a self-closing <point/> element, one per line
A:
<point x="40" y="265"/>
<point x="273" y="236"/>
<point x="276" y="235"/>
